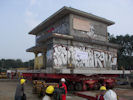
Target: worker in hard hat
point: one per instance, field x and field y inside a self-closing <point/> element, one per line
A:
<point x="102" y="92"/>
<point x="63" y="85"/>
<point x="48" y="93"/>
<point x="20" y="95"/>
<point x="110" y="95"/>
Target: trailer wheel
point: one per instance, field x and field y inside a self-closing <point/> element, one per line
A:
<point x="97" y="86"/>
<point x="70" y="87"/>
<point x="78" y="86"/>
<point x="87" y="87"/>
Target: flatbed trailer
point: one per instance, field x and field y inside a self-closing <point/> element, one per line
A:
<point x="77" y="82"/>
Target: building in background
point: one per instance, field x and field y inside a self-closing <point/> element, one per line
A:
<point x="73" y="39"/>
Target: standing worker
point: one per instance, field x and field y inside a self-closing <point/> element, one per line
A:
<point x="20" y="95"/>
<point x="65" y="87"/>
<point x="110" y="95"/>
<point x="49" y="93"/>
<point x="102" y="92"/>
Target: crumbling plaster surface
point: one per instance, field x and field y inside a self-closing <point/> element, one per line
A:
<point x="98" y="30"/>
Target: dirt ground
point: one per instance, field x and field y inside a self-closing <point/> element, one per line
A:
<point x="124" y="94"/>
<point x="8" y="87"/>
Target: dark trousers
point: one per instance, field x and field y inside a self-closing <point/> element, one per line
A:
<point x="18" y="98"/>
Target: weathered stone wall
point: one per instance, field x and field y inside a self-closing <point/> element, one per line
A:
<point x="61" y="53"/>
<point x="49" y="60"/>
<point x="80" y="55"/>
<point x="49" y="53"/>
<point x="61" y="26"/>
<point x="84" y="27"/>
<point x="76" y="26"/>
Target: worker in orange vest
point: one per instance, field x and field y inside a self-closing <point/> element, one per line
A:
<point x="63" y="85"/>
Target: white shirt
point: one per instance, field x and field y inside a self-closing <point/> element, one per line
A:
<point x="110" y="95"/>
<point x="46" y="98"/>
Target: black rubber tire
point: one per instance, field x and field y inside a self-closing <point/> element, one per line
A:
<point x="87" y="87"/>
<point x="70" y="87"/>
<point x="97" y="86"/>
<point x="78" y="87"/>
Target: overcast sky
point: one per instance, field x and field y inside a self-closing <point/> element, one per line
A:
<point x="18" y="17"/>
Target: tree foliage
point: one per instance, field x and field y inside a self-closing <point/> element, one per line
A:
<point x="125" y="53"/>
<point x="18" y="63"/>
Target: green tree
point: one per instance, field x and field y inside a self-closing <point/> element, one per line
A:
<point x="11" y="63"/>
<point x="125" y="53"/>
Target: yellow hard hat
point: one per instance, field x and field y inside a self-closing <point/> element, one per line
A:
<point x="103" y="88"/>
<point x="22" y="81"/>
<point x="50" y="89"/>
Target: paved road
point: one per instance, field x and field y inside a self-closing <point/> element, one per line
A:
<point x="8" y="87"/>
<point x="7" y="90"/>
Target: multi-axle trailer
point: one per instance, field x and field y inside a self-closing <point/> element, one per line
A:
<point x="76" y="81"/>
